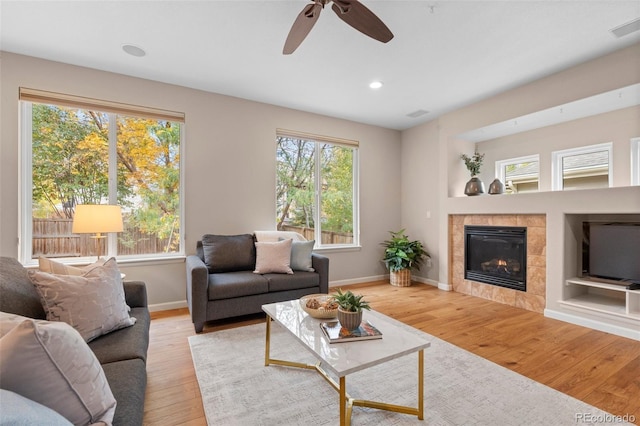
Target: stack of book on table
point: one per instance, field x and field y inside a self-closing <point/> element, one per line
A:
<point x="335" y="333"/>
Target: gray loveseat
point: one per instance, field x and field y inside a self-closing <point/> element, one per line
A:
<point x="225" y="285"/>
<point x="122" y="353"/>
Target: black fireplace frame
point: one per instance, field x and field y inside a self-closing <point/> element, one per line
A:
<point x="496" y="231"/>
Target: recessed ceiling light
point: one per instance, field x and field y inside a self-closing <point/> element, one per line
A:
<point x="133" y="50"/>
<point x="375" y="84"/>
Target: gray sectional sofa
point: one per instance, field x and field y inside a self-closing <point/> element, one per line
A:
<point x="221" y="282"/>
<point x="121" y="353"/>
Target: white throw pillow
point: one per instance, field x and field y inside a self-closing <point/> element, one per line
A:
<point x="49" y="363"/>
<point x="53" y="267"/>
<point x="93" y="303"/>
<point x="274" y="236"/>
<point x="273" y="258"/>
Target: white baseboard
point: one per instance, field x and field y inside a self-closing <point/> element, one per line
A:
<point x="445" y="286"/>
<point x="596" y="325"/>
<point x="416" y="278"/>
<point x="168" y="306"/>
<point x="358" y="280"/>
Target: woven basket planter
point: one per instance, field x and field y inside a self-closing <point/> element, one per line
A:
<point x="401" y="278"/>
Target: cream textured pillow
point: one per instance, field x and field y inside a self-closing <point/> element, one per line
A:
<point x="10" y="321"/>
<point x="49" y="363"/>
<point x="53" y="267"/>
<point x="273" y="258"/>
<point x="93" y="303"/>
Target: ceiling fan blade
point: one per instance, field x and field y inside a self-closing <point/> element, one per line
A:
<point x="362" y="19"/>
<point x="301" y="27"/>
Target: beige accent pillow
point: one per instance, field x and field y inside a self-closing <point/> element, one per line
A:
<point x="49" y="363"/>
<point x="10" y="321"/>
<point x="53" y="267"/>
<point x="273" y="258"/>
<point x="92" y="303"/>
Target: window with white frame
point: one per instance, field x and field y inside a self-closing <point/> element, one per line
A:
<point x="582" y="168"/>
<point x="635" y="161"/>
<point x="520" y="174"/>
<point x="82" y="151"/>
<point x="317" y="188"/>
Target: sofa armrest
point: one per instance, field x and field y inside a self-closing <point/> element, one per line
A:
<point x="197" y="285"/>
<point x="321" y="265"/>
<point x="135" y="293"/>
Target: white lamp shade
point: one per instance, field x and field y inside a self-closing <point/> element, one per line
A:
<point x="97" y="218"/>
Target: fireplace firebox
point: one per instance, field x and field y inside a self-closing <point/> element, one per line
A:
<point x="496" y="255"/>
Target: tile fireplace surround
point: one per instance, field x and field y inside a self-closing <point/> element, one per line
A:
<point x="534" y="298"/>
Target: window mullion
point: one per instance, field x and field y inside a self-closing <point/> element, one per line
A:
<point x="112" y="238"/>
<point x="25" y="241"/>
<point x="317" y="183"/>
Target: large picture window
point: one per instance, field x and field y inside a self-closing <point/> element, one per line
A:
<point x="82" y="152"/>
<point x="316" y="191"/>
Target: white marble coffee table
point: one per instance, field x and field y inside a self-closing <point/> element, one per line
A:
<point x="342" y="359"/>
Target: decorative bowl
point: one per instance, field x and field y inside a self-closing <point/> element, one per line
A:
<point x="307" y="303"/>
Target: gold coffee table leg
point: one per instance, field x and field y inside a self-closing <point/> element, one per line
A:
<point x="268" y="339"/>
<point x="421" y="384"/>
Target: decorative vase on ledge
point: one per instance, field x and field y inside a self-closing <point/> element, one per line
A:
<point x="474" y="187"/>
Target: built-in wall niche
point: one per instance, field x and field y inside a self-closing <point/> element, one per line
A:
<point x="605" y="289"/>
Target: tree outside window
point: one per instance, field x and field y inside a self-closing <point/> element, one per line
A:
<point x="315" y="192"/>
<point x="77" y="158"/>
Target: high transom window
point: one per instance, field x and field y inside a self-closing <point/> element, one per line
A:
<point x="316" y="191"/>
<point x="582" y="168"/>
<point x="80" y="151"/>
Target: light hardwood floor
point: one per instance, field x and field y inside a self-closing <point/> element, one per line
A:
<point x="598" y="368"/>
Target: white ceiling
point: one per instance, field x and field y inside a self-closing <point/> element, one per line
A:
<point x="445" y="54"/>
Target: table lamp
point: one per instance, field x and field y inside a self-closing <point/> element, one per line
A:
<point x="97" y="219"/>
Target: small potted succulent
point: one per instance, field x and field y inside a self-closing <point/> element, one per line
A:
<point x="350" y="308"/>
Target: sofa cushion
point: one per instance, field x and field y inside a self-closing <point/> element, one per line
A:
<point x="128" y="380"/>
<point x="50" y="363"/>
<point x="93" y="303"/>
<point x="273" y="257"/>
<point x="126" y="343"/>
<point x="18" y="410"/>
<point x="282" y="282"/>
<point x="301" y="255"/>
<point x="19" y="296"/>
<point x="236" y="284"/>
<point x="229" y="253"/>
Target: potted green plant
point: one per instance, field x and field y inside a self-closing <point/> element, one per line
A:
<point x="474" y="186"/>
<point x="401" y="255"/>
<point x="350" y="308"/>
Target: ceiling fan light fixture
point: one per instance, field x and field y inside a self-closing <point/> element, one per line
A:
<point x="375" y="84"/>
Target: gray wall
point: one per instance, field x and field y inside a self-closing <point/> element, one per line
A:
<point x="229" y="165"/>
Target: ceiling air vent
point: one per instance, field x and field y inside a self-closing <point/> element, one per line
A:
<point x="625" y="29"/>
<point x="418" y="113"/>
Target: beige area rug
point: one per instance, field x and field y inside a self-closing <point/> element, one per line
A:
<point x="460" y="387"/>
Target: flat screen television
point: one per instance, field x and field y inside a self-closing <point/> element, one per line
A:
<point x="612" y="251"/>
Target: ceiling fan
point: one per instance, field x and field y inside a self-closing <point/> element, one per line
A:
<point x="352" y="12"/>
